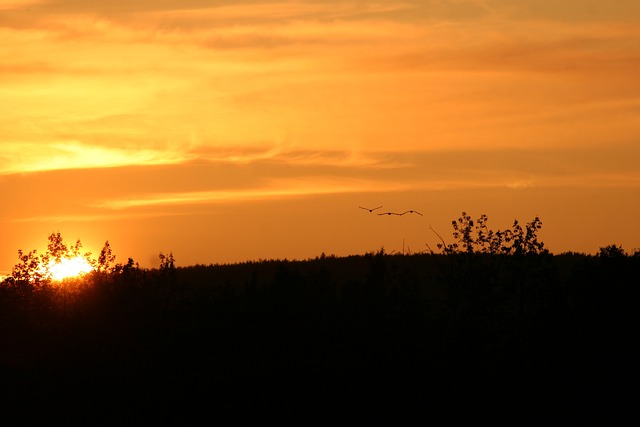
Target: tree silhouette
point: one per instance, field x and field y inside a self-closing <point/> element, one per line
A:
<point x="29" y="270"/>
<point x="56" y="247"/>
<point x="33" y="269"/>
<point x="106" y="259"/>
<point x="476" y="237"/>
<point x="611" y="251"/>
<point x="167" y="262"/>
<point x="128" y="269"/>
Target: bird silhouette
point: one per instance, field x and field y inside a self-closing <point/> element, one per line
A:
<point x="400" y="214"/>
<point x="370" y="209"/>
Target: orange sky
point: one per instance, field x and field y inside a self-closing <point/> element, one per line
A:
<point x="236" y="130"/>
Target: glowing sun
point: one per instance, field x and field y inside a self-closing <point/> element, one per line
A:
<point x="69" y="267"/>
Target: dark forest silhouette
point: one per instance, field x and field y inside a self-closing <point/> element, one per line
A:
<point x="492" y="313"/>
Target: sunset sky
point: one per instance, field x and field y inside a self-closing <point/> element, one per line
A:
<point x="227" y="131"/>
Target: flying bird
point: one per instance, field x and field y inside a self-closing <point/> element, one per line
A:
<point x="370" y="209"/>
<point x="400" y="214"/>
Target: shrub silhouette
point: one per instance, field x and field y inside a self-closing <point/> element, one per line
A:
<point x="611" y="251"/>
<point x="476" y="237"/>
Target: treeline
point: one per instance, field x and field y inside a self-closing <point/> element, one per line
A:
<point x="472" y="319"/>
<point x="392" y="318"/>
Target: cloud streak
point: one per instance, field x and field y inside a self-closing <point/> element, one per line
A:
<point x="64" y="155"/>
<point x="286" y="189"/>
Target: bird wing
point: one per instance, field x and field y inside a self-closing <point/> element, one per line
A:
<point x="369" y="209"/>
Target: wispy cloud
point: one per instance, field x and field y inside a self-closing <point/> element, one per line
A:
<point x="521" y="184"/>
<point x="277" y="190"/>
<point x="38" y="157"/>
<point x="95" y="218"/>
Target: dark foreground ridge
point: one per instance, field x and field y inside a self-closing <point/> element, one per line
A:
<point x="377" y="325"/>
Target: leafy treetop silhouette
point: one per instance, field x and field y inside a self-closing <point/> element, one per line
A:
<point x="34" y="269"/>
<point x="167" y="262"/>
<point x="106" y="259"/>
<point x="477" y="237"/>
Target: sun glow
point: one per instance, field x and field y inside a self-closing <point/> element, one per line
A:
<point x="69" y="267"/>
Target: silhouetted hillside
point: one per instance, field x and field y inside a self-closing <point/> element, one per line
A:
<point x="361" y="324"/>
